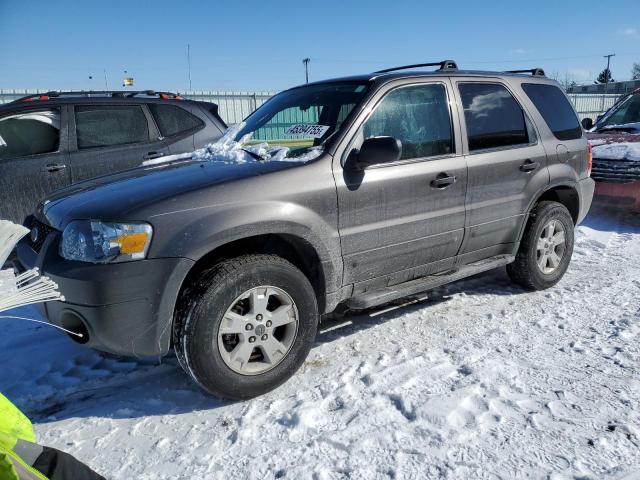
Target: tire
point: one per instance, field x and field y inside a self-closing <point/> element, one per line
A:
<point x="526" y="270"/>
<point x="210" y="356"/>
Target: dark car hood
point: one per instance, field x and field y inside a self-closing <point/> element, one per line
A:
<point x="615" y="145"/>
<point x="120" y="195"/>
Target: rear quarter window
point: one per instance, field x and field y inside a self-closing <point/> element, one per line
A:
<point x="173" y="120"/>
<point x="555" y="109"/>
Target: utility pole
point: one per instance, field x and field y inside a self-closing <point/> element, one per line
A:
<point x="607" y="72"/>
<point x="306" y="67"/>
<point x="104" y="70"/>
<point x="189" y="63"/>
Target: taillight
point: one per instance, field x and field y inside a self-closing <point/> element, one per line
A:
<point x="31" y="99"/>
<point x="589" y="159"/>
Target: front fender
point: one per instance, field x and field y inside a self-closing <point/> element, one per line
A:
<point x="211" y="227"/>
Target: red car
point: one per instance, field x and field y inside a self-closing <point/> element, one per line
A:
<point x="615" y="141"/>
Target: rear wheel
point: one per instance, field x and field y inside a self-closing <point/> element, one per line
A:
<point x="246" y="326"/>
<point x="546" y="247"/>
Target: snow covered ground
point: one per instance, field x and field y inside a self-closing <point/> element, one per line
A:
<point x="480" y="381"/>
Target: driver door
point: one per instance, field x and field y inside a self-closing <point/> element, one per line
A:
<point x="399" y="221"/>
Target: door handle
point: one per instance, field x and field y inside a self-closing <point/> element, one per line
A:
<point x="529" y="166"/>
<point x="152" y="155"/>
<point x="55" y="167"/>
<point x="443" y="181"/>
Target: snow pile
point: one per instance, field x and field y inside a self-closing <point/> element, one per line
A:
<point x="482" y="381"/>
<point x="616" y="151"/>
<point x="226" y="149"/>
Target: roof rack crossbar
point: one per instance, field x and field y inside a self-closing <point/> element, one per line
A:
<point x="536" y="72"/>
<point x="444" y="65"/>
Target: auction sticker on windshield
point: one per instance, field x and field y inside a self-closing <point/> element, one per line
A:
<point x="315" y="131"/>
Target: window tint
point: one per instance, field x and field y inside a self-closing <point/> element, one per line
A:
<point x="627" y="111"/>
<point x="493" y="117"/>
<point x="29" y="133"/>
<point x="555" y="109"/>
<point x="418" y="116"/>
<point x="172" y="120"/>
<point x="101" y="126"/>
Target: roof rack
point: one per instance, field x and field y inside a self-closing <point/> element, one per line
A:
<point x="444" y="65"/>
<point x="99" y="93"/>
<point x="536" y="72"/>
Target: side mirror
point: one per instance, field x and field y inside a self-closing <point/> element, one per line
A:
<point x="587" y="123"/>
<point x="377" y="150"/>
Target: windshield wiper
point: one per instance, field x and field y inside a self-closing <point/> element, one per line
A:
<point x="253" y="154"/>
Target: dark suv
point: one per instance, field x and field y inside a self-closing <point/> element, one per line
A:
<point x="356" y="191"/>
<point x="51" y="140"/>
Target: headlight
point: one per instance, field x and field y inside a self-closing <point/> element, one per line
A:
<point x="103" y="242"/>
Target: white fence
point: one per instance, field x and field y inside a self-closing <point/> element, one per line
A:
<point x="235" y="106"/>
<point x="592" y="105"/>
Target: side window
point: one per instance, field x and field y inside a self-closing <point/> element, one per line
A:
<point x="555" y="109"/>
<point x="109" y="125"/>
<point x="418" y="116"/>
<point x="173" y="120"/>
<point x="493" y="117"/>
<point x="29" y="133"/>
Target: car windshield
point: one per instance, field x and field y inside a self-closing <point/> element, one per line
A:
<point x="624" y="116"/>
<point x="298" y="122"/>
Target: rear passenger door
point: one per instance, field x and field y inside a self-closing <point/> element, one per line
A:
<point x="566" y="146"/>
<point x="405" y="219"/>
<point x="507" y="166"/>
<point x="111" y="138"/>
<point x="33" y="159"/>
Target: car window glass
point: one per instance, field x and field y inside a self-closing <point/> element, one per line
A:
<point x="101" y="126"/>
<point x="627" y="112"/>
<point x="278" y="126"/>
<point x="555" y="109"/>
<point x="493" y="117"/>
<point x="29" y="133"/>
<point x="418" y="116"/>
<point x="173" y="120"/>
<point x="302" y="119"/>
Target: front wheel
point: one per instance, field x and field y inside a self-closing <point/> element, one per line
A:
<point x="546" y="247"/>
<point x="246" y="326"/>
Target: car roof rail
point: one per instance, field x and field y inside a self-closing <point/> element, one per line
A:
<point x="99" y="93"/>
<point x="536" y="72"/>
<point x="444" y="65"/>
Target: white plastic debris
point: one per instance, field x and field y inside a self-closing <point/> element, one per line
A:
<point x="226" y="149"/>
<point x="28" y="287"/>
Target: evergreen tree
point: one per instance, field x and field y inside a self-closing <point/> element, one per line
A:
<point x="605" y="76"/>
<point x="635" y="71"/>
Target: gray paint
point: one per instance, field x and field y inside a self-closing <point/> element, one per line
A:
<point x="371" y="229"/>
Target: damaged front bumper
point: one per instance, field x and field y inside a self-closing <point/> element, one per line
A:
<point x="121" y="308"/>
<point x="623" y="195"/>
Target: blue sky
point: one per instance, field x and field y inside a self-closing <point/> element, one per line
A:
<point x="259" y="45"/>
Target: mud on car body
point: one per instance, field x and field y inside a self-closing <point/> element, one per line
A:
<point x="356" y="191"/>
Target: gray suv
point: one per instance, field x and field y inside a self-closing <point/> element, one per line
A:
<point x="356" y="192"/>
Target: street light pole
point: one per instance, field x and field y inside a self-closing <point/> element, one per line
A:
<point x="189" y="63"/>
<point x="306" y="68"/>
